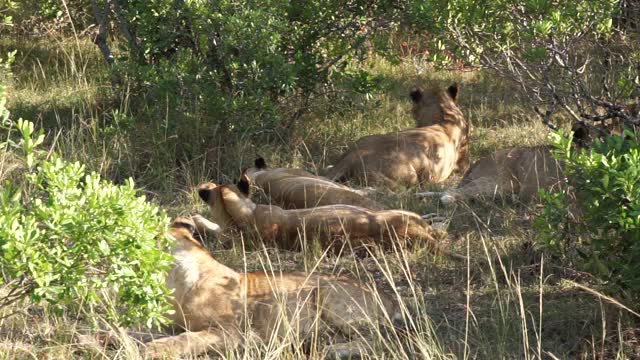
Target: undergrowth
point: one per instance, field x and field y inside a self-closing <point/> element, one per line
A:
<point x="509" y="301"/>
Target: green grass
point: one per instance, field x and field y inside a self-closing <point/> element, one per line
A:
<point x="510" y="302"/>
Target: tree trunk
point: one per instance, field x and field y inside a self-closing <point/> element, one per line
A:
<point x="103" y="30"/>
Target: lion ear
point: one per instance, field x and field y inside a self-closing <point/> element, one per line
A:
<point x="416" y="95"/>
<point x="244" y="185"/>
<point x="186" y="223"/>
<point x="205" y="191"/>
<point x="260" y="163"/>
<point x="453" y="91"/>
<point x="204" y="194"/>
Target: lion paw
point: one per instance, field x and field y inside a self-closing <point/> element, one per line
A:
<point x="447" y="199"/>
<point x="203" y="224"/>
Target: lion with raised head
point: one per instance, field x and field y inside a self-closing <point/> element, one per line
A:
<point x="331" y="225"/>
<point x="513" y="172"/>
<point x="299" y="189"/>
<point x="428" y="153"/>
<point x="214" y="304"/>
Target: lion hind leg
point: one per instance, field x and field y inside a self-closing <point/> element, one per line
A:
<point x="350" y="307"/>
<point x="190" y="343"/>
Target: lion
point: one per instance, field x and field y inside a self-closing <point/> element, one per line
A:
<point x="299" y="189"/>
<point x="513" y="172"/>
<point x="428" y="153"/>
<point x="331" y="225"/>
<point x="213" y="304"/>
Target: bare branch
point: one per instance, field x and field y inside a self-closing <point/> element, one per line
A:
<point x="546" y="117"/>
<point x="575" y="76"/>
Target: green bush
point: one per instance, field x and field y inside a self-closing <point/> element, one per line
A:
<point x="574" y="57"/>
<point x="73" y="240"/>
<point x="605" y="233"/>
<point x="492" y="31"/>
<point x="245" y="68"/>
<point x="39" y="17"/>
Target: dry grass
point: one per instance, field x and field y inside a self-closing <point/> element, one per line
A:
<point x="509" y="302"/>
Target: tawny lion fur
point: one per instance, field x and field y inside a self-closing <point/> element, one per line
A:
<point x="521" y="171"/>
<point x="289" y="228"/>
<point x="428" y="153"/>
<point x="299" y="189"/>
<point x="214" y="303"/>
<point x="514" y="171"/>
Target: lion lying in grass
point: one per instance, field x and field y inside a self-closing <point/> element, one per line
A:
<point x="515" y="171"/>
<point x="428" y="153"/>
<point x="212" y="303"/>
<point x="299" y="189"/>
<point x="331" y="225"/>
<point x="519" y="172"/>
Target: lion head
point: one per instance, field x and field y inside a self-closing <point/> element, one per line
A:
<point x="260" y="165"/>
<point x="435" y="105"/>
<point x="229" y="204"/>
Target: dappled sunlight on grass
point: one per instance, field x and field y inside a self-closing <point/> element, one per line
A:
<point x="509" y="301"/>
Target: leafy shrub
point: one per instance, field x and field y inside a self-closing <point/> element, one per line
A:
<point x="72" y="239"/>
<point x="565" y="56"/>
<point x="244" y="68"/>
<point x="606" y="183"/>
<point x="483" y="33"/>
<point x="40" y="17"/>
<point x="5" y="76"/>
